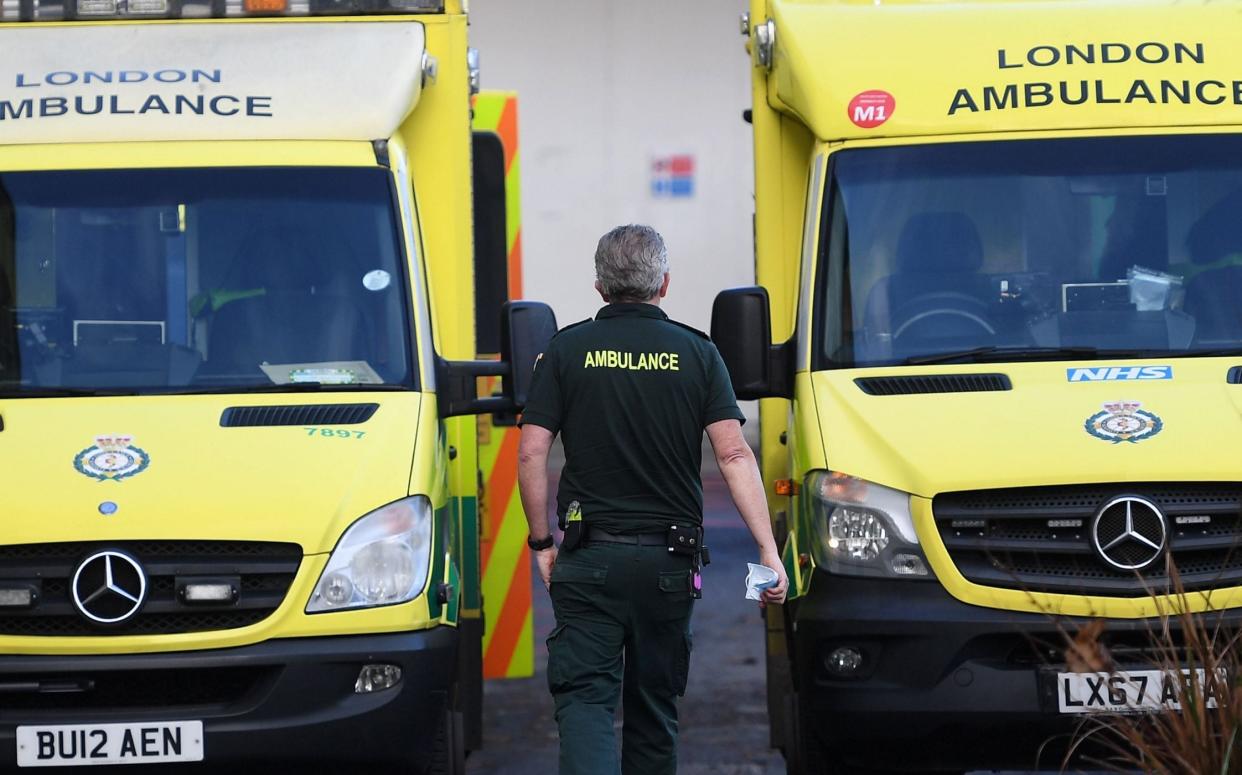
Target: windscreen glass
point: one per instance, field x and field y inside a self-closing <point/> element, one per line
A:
<point x="200" y="279"/>
<point x="1001" y="251"/>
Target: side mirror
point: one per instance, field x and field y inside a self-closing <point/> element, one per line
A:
<point x="742" y="331"/>
<point x="526" y="327"/>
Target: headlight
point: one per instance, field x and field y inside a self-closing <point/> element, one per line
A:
<point x="381" y="560"/>
<point x="864" y="529"/>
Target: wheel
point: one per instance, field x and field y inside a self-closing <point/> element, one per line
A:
<point x="449" y="755"/>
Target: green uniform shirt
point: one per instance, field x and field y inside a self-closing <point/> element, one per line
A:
<point x="630" y="393"/>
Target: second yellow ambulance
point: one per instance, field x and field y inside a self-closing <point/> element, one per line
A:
<point x="999" y="338"/>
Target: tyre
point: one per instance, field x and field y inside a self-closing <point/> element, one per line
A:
<point x="449" y="754"/>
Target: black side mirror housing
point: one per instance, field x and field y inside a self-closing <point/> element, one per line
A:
<point x="742" y="331"/>
<point x="526" y="327"/>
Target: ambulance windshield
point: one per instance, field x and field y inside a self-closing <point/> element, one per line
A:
<point x="1015" y="250"/>
<point x="200" y="280"/>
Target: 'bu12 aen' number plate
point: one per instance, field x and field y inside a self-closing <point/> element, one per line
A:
<point x="71" y="745"/>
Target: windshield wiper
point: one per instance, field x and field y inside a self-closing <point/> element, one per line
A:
<point x="63" y="392"/>
<point x="299" y="387"/>
<point x="998" y="353"/>
<point x="1219" y="352"/>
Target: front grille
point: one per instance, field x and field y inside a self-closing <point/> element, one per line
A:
<point x="1026" y="538"/>
<point x="124" y="689"/>
<point x="263" y="571"/>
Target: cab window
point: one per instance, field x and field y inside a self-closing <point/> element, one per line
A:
<point x="200" y="279"/>
<point x="1031" y="249"/>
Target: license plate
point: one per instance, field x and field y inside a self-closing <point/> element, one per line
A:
<point x="74" y="745"/>
<point x="1129" y="691"/>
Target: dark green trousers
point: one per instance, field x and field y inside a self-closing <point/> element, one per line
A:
<point x="622" y="632"/>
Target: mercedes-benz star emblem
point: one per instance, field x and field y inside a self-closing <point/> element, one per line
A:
<point x="109" y="587"/>
<point x="1130" y="532"/>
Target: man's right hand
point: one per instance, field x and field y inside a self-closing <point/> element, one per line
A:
<point x="546" y="560"/>
<point x="775" y="594"/>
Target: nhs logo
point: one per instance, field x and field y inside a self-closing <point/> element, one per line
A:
<point x="1119" y="373"/>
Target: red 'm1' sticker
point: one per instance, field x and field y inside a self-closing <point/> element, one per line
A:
<point x="872" y="108"/>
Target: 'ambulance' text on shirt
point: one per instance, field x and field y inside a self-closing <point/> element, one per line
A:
<point x="612" y="359"/>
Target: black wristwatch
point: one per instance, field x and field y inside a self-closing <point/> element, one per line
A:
<point x="539" y="545"/>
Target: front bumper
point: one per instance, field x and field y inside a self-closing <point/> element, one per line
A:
<point x="289" y="701"/>
<point x="943" y="684"/>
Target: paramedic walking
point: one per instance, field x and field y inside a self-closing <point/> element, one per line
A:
<point x="631" y="393"/>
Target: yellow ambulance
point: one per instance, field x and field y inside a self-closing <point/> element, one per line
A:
<point x="238" y="364"/>
<point x="998" y="335"/>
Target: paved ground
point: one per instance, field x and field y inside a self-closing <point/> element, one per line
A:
<point x="724" y="716"/>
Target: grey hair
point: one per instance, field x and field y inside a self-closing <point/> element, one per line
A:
<point x="630" y="263"/>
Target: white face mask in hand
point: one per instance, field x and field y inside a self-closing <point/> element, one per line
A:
<point x="759" y="578"/>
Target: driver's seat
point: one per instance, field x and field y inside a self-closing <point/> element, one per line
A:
<point x="937" y="292"/>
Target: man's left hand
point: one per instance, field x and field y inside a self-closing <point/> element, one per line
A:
<point x="546" y="560"/>
<point x="774" y="594"/>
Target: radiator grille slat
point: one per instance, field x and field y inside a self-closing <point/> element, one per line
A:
<point x="1038" y="539"/>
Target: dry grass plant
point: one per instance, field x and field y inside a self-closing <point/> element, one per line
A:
<point x="1203" y="737"/>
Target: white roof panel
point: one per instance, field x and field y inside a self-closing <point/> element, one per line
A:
<point x="208" y="81"/>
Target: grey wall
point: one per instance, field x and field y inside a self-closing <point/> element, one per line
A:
<point x="605" y="87"/>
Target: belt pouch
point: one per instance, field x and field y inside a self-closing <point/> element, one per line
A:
<point x="685" y="540"/>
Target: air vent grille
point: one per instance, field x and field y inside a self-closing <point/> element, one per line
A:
<point x="904" y="385"/>
<point x="1235" y="375"/>
<point x="306" y="414"/>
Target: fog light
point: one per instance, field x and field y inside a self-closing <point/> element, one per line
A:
<point x="909" y="565"/>
<point x="222" y="590"/>
<point x="148" y="7"/>
<point x="97" y="7"/>
<point x="844" y="661"/>
<point x="20" y="597"/>
<point x="376" y="678"/>
<point x="208" y="593"/>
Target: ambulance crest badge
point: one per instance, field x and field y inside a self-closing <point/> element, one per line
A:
<point x="112" y="458"/>
<point x="1123" y="421"/>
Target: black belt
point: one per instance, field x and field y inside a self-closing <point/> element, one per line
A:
<point x="596" y="535"/>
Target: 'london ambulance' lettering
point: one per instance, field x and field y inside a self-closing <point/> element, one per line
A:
<point x="1089" y="58"/>
<point x="124" y="100"/>
<point x="615" y="359"/>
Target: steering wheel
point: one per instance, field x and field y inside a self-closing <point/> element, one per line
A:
<point x="942" y="314"/>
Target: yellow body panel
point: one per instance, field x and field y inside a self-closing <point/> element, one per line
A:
<point x="1031" y="435"/>
<point x="782" y="154"/>
<point x="203" y="481"/>
<point x="996" y="66"/>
